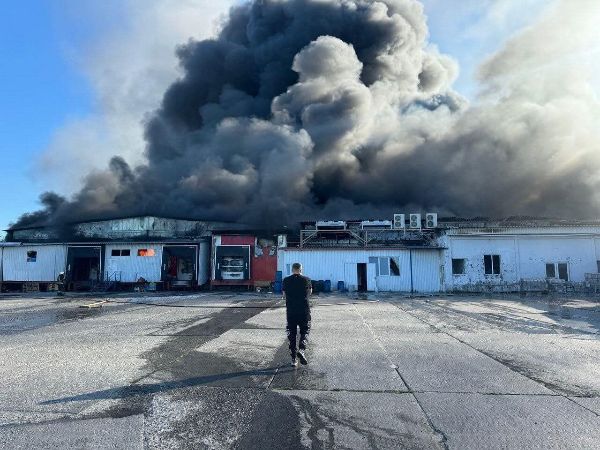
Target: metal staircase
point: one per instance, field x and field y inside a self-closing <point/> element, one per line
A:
<point x="109" y="282"/>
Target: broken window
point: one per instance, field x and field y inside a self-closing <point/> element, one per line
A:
<point x="491" y="264"/>
<point x="394" y="268"/>
<point x="458" y="266"/>
<point x="120" y="252"/>
<point x="31" y="256"/>
<point x="563" y="271"/>
<point x="146" y="252"/>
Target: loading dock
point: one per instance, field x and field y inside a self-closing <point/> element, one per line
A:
<point x="84" y="267"/>
<point x="179" y="266"/>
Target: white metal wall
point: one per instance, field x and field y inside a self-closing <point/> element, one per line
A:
<point x="428" y="271"/>
<point x="521" y="257"/>
<point x="132" y="267"/>
<point x="578" y="252"/>
<point x="340" y="265"/>
<point x="50" y="261"/>
<point x="472" y="249"/>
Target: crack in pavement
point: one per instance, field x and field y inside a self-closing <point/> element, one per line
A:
<point x="434" y="428"/>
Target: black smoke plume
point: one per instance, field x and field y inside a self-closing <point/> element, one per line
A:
<point x="341" y="108"/>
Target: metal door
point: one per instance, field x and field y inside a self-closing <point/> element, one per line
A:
<point x="350" y="276"/>
<point x="372" y="277"/>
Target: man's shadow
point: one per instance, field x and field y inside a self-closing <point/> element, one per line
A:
<point x="134" y="390"/>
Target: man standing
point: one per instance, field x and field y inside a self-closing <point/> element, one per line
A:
<point x="296" y="290"/>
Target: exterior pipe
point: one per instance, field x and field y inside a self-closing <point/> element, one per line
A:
<point x="411" y="271"/>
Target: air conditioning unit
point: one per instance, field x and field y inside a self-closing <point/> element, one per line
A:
<point x="431" y="220"/>
<point x="331" y="225"/>
<point x="376" y="224"/>
<point x="399" y="221"/>
<point x="415" y="221"/>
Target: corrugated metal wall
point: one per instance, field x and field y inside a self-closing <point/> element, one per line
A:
<point x="49" y="262"/>
<point x="132" y="267"/>
<point x="341" y="265"/>
<point x="203" y="262"/>
<point x="427" y="271"/>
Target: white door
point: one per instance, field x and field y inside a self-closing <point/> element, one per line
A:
<point x="372" y="277"/>
<point x="351" y="276"/>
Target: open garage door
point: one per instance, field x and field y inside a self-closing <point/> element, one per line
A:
<point x="84" y="267"/>
<point x="179" y="265"/>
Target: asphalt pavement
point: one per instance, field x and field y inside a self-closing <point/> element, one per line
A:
<point x="211" y="370"/>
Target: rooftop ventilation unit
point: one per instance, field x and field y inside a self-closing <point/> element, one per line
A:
<point x="431" y="220"/>
<point x="376" y="225"/>
<point x="415" y="222"/>
<point x="331" y="225"/>
<point x="399" y="221"/>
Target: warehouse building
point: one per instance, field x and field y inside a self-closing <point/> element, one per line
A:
<point x="424" y="255"/>
<point x="410" y="253"/>
<point x="368" y="255"/>
<point x="521" y="255"/>
<point x="149" y="252"/>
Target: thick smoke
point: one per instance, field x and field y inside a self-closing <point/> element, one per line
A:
<point x="341" y="108"/>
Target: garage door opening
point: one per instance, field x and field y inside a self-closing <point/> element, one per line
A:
<point x="84" y="267"/>
<point x="179" y="266"/>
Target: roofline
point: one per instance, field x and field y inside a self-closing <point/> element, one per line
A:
<point x="32" y="227"/>
<point x="361" y="248"/>
<point x="88" y="243"/>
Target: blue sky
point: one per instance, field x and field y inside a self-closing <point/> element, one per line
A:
<point x="49" y="85"/>
<point x="38" y="90"/>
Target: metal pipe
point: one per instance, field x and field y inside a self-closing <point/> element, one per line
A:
<point x="411" y="270"/>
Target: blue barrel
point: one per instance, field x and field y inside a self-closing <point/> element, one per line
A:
<point x="341" y="286"/>
<point x="277" y="287"/>
<point x="315" y="287"/>
<point x="321" y="286"/>
<point x="327" y="287"/>
<point x="279" y="276"/>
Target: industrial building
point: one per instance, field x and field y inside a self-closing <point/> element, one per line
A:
<point x="146" y="252"/>
<point x="521" y="255"/>
<point x="424" y="255"/>
<point x="368" y="255"/>
<point x="409" y="253"/>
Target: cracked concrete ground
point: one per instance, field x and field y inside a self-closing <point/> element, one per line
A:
<point x="211" y="370"/>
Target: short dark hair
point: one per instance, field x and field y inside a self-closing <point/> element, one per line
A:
<point x="296" y="266"/>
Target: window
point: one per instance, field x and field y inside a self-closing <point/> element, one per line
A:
<point x="384" y="267"/>
<point x="491" y="264"/>
<point x="394" y="268"/>
<point x="598" y="264"/>
<point x="31" y="256"/>
<point x="458" y="266"/>
<point x="118" y="252"/>
<point x="146" y="252"/>
<point x="562" y="269"/>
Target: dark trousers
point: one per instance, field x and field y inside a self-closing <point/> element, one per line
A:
<point x="293" y="323"/>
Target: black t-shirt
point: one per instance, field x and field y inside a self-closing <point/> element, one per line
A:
<point x="297" y="290"/>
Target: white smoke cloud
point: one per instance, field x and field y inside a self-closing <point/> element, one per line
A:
<point x="128" y="66"/>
